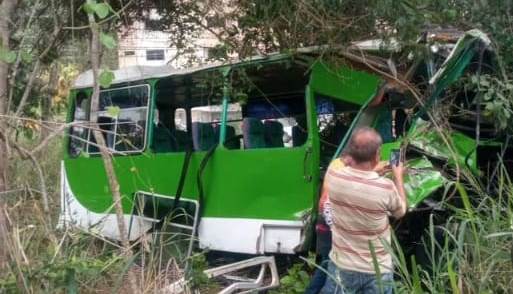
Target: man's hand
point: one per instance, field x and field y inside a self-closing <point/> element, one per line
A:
<point x="398" y="171"/>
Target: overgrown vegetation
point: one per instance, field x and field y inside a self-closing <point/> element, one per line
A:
<point x="471" y="252"/>
<point x="297" y="277"/>
<point x="34" y="52"/>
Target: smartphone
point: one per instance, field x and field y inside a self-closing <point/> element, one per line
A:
<point x="395" y="157"/>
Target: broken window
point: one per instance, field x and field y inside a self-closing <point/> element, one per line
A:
<point x="334" y="118"/>
<point x="79" y="131"/>
<point x="271" y="109"/>
<point x="170" y="129"/>
<point x="122" y="118"/>
<point x="170" y="122"/>
<point x="187" y="117"/>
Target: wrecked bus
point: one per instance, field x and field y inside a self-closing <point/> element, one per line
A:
<point x="242" y="147"/>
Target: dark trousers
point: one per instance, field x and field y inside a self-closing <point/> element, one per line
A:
<point x="323" y="250"/>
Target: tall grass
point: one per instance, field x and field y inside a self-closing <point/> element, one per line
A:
<point x="474" y="254"/>
<point x="45" y="259"/>
<point x="473" y="257"/>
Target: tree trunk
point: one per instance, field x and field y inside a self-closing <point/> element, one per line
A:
<point x="105" y="154"/>
<point x="6" y="10"/>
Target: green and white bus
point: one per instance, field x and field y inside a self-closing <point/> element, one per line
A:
<point x="242" y="147"/>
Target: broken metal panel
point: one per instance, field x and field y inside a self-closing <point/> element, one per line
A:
<point x="423" y="137"/>
<point x="344" y="83"/>
<point x="421" y="180"/>
<point x="452" y="68"/>
<point x="455" y="64"/>
<point x="386" y="149"/>
<point x="242" y="284"/>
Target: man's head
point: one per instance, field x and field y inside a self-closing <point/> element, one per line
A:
<point x="364" y="146"/>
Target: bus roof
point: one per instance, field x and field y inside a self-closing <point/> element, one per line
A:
<point x="137" y="72"/>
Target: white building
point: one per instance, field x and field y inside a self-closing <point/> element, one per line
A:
<point x="139" y="45"/>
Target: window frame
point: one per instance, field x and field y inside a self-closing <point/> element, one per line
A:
<point x="153" y="53"/>
<point x="145" y="139"/>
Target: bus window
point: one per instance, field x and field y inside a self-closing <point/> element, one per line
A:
<point x="189" y="115"/>
<point x="125" y="132"/>
<point x="78" y="132"/>
<point x="262" y="123"/>
<point x="181" y="119"/>
<point x="170" y="130"/>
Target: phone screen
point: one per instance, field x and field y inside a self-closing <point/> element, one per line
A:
<point x="395" y="157"/>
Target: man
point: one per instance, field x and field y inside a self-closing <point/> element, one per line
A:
<point x="361" y="202"/>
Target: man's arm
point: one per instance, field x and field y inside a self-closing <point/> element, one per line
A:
<point x="398" y="172"/>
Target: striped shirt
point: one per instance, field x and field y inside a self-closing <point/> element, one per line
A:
<point x="361" y="203"/>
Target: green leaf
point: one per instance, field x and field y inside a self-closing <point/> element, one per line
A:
<point x="107" y="41"/>
<point x="7" y="55"/>
<point x="113" y="111"/>
<point x="453" y="277"/>
<point x="26" y="56"/>
<point x="286" y="280"/>
<point x="451" y="13"/>
<point x="299" y="287"/>
<point x="304" y="276"/>
<point x="106" y="78"/>
<point x="89" y="6"/>
<point x="485" y="83"/>
<point x="102" y="10"/>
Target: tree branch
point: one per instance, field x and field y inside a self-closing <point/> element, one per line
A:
<point x="16" y="66"/>
<point x="24" y="153"/>
<point x="35" y="70"/>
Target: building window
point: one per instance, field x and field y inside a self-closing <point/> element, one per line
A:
<point x="155" y="54"/>
<point x="129" y="53"/>
<point x="153" y="25"/>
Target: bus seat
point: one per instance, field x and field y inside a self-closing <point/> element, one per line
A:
<point x="273" y="131"/>
<point x="203" y="137"/>
<point x="299" y="136"/>
<point x="230" y="134"/>
<point x="253" y="131"/>
<point x="163" y="139"/>
<point x="182" y="140"/>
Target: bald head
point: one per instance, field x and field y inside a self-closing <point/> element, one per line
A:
<point x="364" y="145"/>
